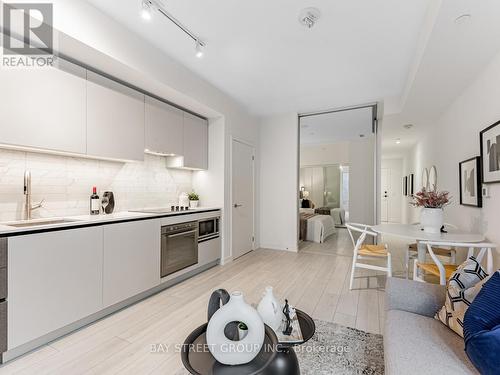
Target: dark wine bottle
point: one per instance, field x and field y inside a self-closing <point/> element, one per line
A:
<point x="94" y="202"/>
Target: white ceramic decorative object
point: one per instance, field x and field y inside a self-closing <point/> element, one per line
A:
<point x="230" y="352"/>
<point x="184" y="200"/>
<point x="270" y="310"/>
<point x="432" y="219"/>
<point x="193" y="204"/>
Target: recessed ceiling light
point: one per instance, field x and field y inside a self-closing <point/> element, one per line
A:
<point x="463" y="19"/>
<point x="146" y="13"/>
<point x="398" y="141"/>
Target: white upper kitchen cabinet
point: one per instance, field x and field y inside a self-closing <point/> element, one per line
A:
<point x="54" y="279"/>
<point x="131" y="259"/>
<point x="115" y="119"/>
<point x="44" y="107"/>
<point x="195" y="142"/>
<point x="164" y="128"/>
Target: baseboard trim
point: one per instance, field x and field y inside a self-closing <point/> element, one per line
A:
<point x="279" y="248"/>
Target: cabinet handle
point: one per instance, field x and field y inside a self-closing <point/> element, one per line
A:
<point x="181" y="234"/>
<point x="237" y="205"/>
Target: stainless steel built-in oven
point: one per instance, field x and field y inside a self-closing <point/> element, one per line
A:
<point x="179" y="247"/>
<point x="208" y="228"/>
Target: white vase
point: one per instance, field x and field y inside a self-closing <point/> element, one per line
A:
<point x="193" y="204"/>
<point x="432" y="219"/>
<point x="270" y="310"/>
<point x="230" y="352"/>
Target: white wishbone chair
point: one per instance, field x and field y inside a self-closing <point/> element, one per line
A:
<point x="444" y="271"/>
<point x="364" y="251"/>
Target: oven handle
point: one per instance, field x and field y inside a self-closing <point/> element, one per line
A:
<point x="181" y="234"/>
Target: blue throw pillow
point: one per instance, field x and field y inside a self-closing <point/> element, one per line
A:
<point x="482" y="328"/>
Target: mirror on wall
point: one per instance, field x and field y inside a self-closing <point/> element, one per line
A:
<point x="425" y="179"/>
<point x="433" y="178"/>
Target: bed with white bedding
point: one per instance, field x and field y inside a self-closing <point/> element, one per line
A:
<point x="314" y="227"/>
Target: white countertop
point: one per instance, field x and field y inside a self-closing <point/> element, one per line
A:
<point x="85" y="220"/>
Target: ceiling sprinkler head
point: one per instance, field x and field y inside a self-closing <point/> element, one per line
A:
<point x="309" y="16"/>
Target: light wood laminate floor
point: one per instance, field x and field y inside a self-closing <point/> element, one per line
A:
<point x="315" y="280"/>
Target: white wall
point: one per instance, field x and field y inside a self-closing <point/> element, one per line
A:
<point x="279" y="140"/>
<point x="454" y="138"/>
<point x="90" y="36"/>
<point x="326" y="154"/>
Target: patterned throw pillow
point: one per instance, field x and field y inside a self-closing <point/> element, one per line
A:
<point x="463" y="286"/>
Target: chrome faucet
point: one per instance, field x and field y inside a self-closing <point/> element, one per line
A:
<point x="28" y="207"/>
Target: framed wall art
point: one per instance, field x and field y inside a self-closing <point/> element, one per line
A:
<point x="490" y="153"/>
<point x="470" y="182"/>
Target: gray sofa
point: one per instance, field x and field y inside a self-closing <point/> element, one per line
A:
<point x="415" y="342"/>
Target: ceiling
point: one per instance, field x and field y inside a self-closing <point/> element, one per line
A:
<point x="257" y="52"/>
<point x="453" y="55"/>
<point x="336" y="127"/>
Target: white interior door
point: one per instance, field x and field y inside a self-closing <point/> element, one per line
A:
<point x="385" y="179"/>
<point x="242" y="237"/>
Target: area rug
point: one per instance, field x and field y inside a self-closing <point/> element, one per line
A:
<point x="335" y="349"/>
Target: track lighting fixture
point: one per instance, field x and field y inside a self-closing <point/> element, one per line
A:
<point x="147" y="7"/>
<point x="199" y="49"/>
<point x="146" y="10"/>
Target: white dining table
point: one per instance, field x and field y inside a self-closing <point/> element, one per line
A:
<point x="414" y="233"/>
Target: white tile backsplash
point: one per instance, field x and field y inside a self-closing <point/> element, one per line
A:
<point x="66" y="183"/>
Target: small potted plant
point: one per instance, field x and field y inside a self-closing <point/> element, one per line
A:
<point x="242" y="330"/>
<point x="432" y="203"/>
<point x="193" y="199"/>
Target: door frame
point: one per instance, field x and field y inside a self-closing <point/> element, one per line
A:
<point x="249" y="144"/>
<point x="376" y="114"/>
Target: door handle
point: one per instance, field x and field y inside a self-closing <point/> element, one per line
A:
<point x="237" y="205"/>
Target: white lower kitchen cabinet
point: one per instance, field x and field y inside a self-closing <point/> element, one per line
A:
<point x="54" y="279"/>
<point x="209" y="251"/>
<point x="131" y="259"/>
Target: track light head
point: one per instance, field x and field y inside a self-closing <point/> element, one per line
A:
<point x="146" y="11"/>
<point x="199" y="49"/>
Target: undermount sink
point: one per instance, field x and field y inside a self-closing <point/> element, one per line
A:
<point x="38" y="223"/>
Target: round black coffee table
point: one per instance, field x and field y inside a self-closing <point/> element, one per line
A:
<point x="274" y="359"/>
<point x="285" y="361"/>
